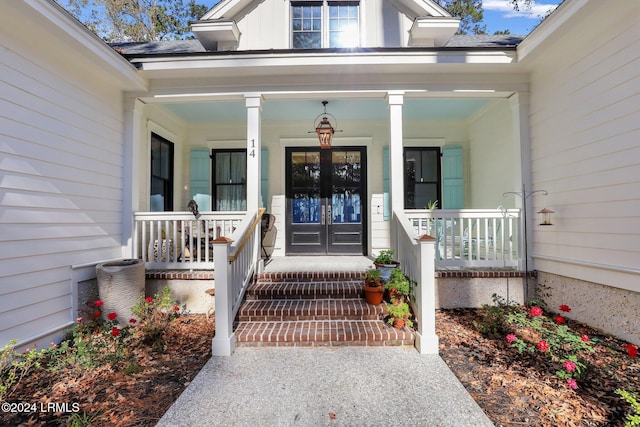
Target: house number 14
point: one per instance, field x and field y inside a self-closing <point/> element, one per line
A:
<point x="252" y="153"/>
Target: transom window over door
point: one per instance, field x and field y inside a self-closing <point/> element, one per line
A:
<point x="317" y="25"/>
<point x="161" y="174"/>
<point x="229" y="180"/>
<point x="422" y="177"/>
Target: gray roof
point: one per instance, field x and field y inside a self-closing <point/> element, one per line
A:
<point x="194" y="46"/>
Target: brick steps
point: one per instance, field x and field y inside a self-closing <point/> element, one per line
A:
<point x="313" y="309"/>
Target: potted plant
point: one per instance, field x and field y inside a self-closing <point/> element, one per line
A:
<point x="398" y="286"/>
<point x="399" y="315"/>
<point x="373" y="289"/>
<point x="385" y="263"/>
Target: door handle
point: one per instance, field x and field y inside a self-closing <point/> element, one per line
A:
<point x="329" y="219"/>
<point x="322" y="214"/>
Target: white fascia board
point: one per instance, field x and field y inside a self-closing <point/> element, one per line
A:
<point x="555" y="23"/>
<point x="122" y="70"/>
<point x="282" y="65"/>
<point x="209" y="33"/>
<point x="226" y="9"/>
<point x="435" y="32"/>
<point x="321" y="58"/>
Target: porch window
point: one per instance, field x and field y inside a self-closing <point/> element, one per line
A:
<point x="324" y="24"/>
<point x="422" y="177"/>
<point x="229" y="180"/>
<point x="161" y="174"/>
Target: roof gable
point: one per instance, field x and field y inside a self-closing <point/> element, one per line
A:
<point x="234" y="9"/>
<point x="218" y="29"/>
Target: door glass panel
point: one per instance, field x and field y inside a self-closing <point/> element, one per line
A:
<point x="305" y="187"/>
<point x="345" y="198"/>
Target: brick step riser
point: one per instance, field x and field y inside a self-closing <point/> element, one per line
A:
<point x="322" y="333"/>
<point x="298" y="310"/>
<point x="297" y="290"/>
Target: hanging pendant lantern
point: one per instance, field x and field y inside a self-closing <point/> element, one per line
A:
<point x="324" y="129"/>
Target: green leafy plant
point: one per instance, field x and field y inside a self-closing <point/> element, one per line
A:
<point x="14" y="367"/>
<point x="372" y="278"/>
<point x="155" y="315"/>
<point x="93" y="342"/>
<point x="398" y="285"/>
<point x="494" y="317"/>
<point x="399" y="311"/>
<point x="554" y="338"/>
<point x="433" y="204"/>
<point x="633" y="399"/>
<point x="385" y="257"/>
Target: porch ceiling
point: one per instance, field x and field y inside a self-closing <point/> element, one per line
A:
<point x="343" y="109"/>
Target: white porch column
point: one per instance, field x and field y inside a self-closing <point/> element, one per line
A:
<point x="522" y="139"/>
<point x="396" y="175"/>
<point x="133" y="169"/>
<point x="427" y="342"/>
<point x="254" y="109"/>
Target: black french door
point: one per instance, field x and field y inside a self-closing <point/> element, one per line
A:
<point x="326" y="200"/>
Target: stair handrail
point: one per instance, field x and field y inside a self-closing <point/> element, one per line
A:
<point x="416" y="255"/>
<point x="232" y="278"/>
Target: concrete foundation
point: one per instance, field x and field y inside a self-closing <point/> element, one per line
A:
<point x="188" y="293"/>
<point x="473" y="292"/>
<point x="613" y="310"/>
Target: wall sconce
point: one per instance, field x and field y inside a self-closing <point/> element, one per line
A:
<point x="323" y="127"/>
<point x="545" y="216"/>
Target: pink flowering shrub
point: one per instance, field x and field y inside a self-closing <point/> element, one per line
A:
<point x="554" y="338"/>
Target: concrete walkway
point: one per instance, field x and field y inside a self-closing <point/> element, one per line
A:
<point x="346" y="386"/>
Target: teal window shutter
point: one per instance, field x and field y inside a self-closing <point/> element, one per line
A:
<point x="453" y="177"/>
<point x="200" y="178"/>
<point x="385" y="184"/>
<point x="264" y="177"/>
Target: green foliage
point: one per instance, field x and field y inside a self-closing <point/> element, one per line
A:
<point x="372" y="277"/>
<point x="633" y="399"/>
<point x="81" y="419"/>
<point x="469" y="11"/>
<point x="155" y="316"/>
<point x="399" y="311"/>
<point x="398" y="284"/>
<point x="385" y="257"/>
<point x="494" y="317"/>
<point x="557" y="341"/>
<point x="93" y="342"/>
<point x="14" y="367"/>
<point x="137" y="20"/>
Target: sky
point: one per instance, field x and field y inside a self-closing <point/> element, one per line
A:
<point x="498" y="15"/>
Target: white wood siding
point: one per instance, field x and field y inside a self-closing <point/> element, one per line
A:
<point x="585" y="128"/>
<point x="60" y="177"/>
<point x="492" y="159"/>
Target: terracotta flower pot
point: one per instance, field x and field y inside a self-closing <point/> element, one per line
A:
<point x="373" y="294"/>
<point x="399" y="323"/>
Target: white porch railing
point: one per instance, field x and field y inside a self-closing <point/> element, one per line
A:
<point x="242" y="253"/>
<point x="177" y="240"/>
<point x="471" y="237"/>
<point x="416" y="256"/>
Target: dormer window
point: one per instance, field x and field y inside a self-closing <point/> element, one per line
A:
<point x="324" y="24"/>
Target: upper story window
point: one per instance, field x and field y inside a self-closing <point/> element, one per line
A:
<point x="324" y="24"/>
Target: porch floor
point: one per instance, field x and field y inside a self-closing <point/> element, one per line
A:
<point x="318" y="263"/>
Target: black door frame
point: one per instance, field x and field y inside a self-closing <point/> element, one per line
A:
<point x="323" y="245"/>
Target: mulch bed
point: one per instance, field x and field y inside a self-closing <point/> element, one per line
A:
<point x="517" y="389"/>
<point x="513" y="389"/>
<point x="108" y="398"/>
